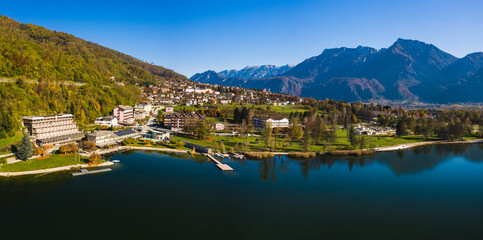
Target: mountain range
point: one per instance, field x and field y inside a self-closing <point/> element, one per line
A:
<point x="407" y="70"/>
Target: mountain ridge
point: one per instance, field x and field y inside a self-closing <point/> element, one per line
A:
<point x="406" y="70"/>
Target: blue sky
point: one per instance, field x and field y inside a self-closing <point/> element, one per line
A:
<point x="194" y="36"/>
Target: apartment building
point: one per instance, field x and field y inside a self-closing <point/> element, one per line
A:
<point x="124" y="114"/>
<point x="178" y="120"/>
<point x="53" y="129"/>
<point x="275" y="122"/>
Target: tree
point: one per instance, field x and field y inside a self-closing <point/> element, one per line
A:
<point x="295" y="130"/>
<point x="65" y="149"/>
<point x="401" y="128"/>
<point x="202" y="131"/>
<point x="354" y="118"/>
<point x="237" y="115"/>
<point x="159" y="118"/>
<point x="25" y="150"/>
<point x="94" y="158"/>
<point x="306" y="140"/>
<point x="222" y="147"/>
<point x="267" y="135"/>
<point x="41" y="150"/>
<point x="179" y="144"/>
<point x="352" y="136"/>
<point x="90" y="146"/>
<point x="362" y="142"/>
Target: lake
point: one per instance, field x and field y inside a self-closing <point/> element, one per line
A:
<point x="428" y="192"/>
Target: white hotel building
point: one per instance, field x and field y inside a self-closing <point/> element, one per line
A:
<point x="54" y="129"/>
<point x="275" y="122"/>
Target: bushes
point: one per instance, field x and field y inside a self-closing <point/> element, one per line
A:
<point x="259" y="155"/>
<point x="128" y="141"/>
<point x="352" y="152"/>
<point x="302" y="154"/>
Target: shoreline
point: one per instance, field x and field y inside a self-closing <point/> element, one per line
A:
<point x="52" y="170"/>
<point x="416" y="144"/>
<point x="108" y="163"/>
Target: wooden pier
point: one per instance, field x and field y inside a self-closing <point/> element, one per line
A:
<point x="223" y="167"/>
<point x="85" y="171"/>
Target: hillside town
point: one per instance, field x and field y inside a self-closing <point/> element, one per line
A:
<point x="197" y="117"/>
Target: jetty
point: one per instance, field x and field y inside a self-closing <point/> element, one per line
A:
<point x="221" y="166"/>
<point x="85" y="171"/>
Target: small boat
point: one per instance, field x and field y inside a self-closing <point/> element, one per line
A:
<point x="219" y="155"/>
<point x="115" y="161"/>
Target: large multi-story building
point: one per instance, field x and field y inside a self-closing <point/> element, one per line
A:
<point x="178" y="120"/>
<point x="124" y="114"/>
<point x="54" y="129"/>
<point x="275" y="122"/>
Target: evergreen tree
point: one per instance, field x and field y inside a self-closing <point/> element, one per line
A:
<point x="362" y="142"/>
<point x="401" y="128"/>
<point x="237" y="115"/>
<point x="25" y="150"/>
<point x="352" y="136"/>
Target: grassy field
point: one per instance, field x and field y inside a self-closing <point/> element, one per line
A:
<point x="256" y="144"/>
<point x="5" y="141"/>
<point x="52" y="161"/>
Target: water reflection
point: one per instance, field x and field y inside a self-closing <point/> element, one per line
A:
<point x="412" y="161"/>
<point x="270" y="169"/>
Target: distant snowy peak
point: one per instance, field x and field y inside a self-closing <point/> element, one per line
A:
<point x="256" y="72"/>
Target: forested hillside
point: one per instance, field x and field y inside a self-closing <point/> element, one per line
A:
<point x="48" y="62"/>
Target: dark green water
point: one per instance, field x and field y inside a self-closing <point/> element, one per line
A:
<point x="430" y="192"/>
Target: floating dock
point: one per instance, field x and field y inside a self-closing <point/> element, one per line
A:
<point x="221" y="166"/>
<point x="85" y="171"/>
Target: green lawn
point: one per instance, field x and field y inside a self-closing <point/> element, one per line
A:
<point x="10" y="140"/>
<point x="55" y="160"/>
<point x="256" y="144"/>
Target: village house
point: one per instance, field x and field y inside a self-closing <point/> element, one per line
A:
<point x="109" y="121"/>
<point x="145" y="106"/>
<point x="140" y="114"/>
<point x="157" y="135"/>
<point x="219" y="126"/>
<point x="169" y="109"/>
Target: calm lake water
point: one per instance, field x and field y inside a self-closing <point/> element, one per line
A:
<point x="429" y="192"/>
